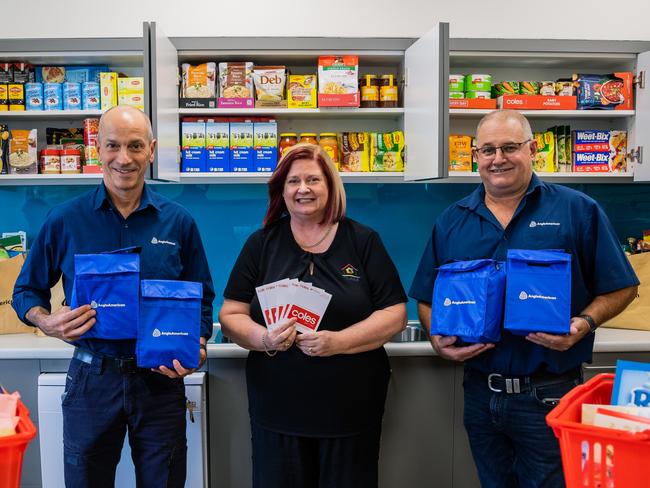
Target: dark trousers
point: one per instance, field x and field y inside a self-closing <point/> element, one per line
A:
<point x="288" y="461"/>
<point x="511" y="443"/>
<point x="98" y="407"/>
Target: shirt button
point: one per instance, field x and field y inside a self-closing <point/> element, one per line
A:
<point x="126" y="226"/>
<point x="505" y="238"/>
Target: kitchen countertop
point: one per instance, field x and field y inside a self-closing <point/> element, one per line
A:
<point x="30" y="346"/>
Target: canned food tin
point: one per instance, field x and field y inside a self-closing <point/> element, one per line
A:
<point x="91" y="128"/>
<point x="72" y="96"/>
<point x="479" y="94"/>
<point x="547" y="88"/>
<point x="50" y="163"/>
<point x="456" y="94"/>
<point x="478" y="82"/>
<point x="70" y="161"/>
<point x="34" y="96"/>
<point x="52" y="94"/>
<point x="456" y="83"/>
<point x="563" y="88"/>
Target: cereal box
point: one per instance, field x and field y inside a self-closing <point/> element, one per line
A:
<point x="265" y="143"/>
<point x="338" y="81"/>
<point x="460" y="153"/>
<point x="387" y="151"/>
<point x="193" y="147"/>
<point x="301" y="92"/>
<point x="591" y="151"/>
<point x="108" y="87"/>
<point x="217" y="146"/>
<point x="241" y="147"/>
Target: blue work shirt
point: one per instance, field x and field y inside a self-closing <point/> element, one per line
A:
<point x="548" y="217"/>
<point x="166" y="232"/>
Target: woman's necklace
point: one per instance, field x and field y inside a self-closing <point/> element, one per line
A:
<point x="320" y="241"/>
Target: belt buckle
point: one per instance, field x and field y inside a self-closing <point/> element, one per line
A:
<point x="513" y="385"/>
<point x="489" y="382"/>
<point x="126" y="365"/>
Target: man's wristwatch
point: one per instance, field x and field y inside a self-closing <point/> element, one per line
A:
<point x="590" y="320"/>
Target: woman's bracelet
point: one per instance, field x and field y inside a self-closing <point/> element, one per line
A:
<point x="266" y="349"/>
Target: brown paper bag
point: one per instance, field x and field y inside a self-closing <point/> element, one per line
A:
<point x="9" y="321"/>
<point x="637" y="314"/>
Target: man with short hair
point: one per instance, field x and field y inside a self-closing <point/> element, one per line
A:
<point x="510" y="441"/>
<point x="105" y="392"/>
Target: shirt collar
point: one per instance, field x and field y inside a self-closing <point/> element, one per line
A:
<point x="149" y="198"/>
<point x="477" y="197"/>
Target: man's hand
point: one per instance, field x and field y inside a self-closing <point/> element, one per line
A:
<point x="66" y="323"/>
<point x="579" y="328"/>
<point x="444" y="346"/>
<point x="320" y="343"/>
<point x="179" y="371"/>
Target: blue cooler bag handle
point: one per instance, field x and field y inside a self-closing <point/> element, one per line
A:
<point x="467" y="300"/>
<point x="170" y="323"/>
<point x="538" y="291"/>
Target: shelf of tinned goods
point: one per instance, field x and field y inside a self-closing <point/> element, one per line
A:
<point x="47" y="179"/>
<point x="49" y="114"/>
<point x="576" y="178"/>
<point x="549" y="114"/>
<point x="347" y="177"/>
<point x="295" y="112"/>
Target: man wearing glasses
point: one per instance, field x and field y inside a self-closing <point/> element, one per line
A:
<point x="513" y="209"/>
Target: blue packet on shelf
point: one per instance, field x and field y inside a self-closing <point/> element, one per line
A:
<point x="170" y="323"/>
<point x="467" y="300"/>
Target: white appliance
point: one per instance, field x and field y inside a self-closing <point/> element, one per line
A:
<point x="50" y="419"/>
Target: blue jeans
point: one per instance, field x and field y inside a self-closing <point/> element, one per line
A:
<point x="511" y="443"/>
<point x="98" y="407"/>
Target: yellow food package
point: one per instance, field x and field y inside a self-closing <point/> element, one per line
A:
<point x="387" y="151"/>
<point x="108" y="88"/>
<point x="545" y="158"/>
<point x="460" y="153"/>
<point x="355" y="151"/>
<point x="301" y="92"/>
<point x="22" y="152"/>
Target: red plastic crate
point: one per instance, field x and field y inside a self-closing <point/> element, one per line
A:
<point x="13" y="447"/>
<point x="596" y="457"/>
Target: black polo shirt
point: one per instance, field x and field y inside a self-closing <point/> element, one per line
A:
<point x="297" y="394"/>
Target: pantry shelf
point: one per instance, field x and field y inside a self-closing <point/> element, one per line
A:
<point x="548" y="114"/>
<point x="50" y="114"/>
<point x="80" y="179"/>
<point x="207" y="178"/>
<point x="575" y="178"/>
<point x="295" y="112"/>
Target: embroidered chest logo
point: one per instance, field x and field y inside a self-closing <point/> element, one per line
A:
<point x="543" y="224"/>
<point x="155" y="240"/>
<point x="350" y="272"/>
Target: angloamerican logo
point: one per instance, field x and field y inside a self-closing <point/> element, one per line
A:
<point x="525" y="296"/>
<point x="533" y="223"/>
<point x="448" y="302"/>
<point x="94" y="304"/>
<point x="157" y="333"/>
<point x="155" y="240"/>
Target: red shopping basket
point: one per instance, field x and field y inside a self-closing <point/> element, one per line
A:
<point x="597" y="457"/>
<point x="13" y="447"/>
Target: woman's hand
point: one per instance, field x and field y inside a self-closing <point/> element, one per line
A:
<point x="322" y="343"/>
<point x="281" y="337"/>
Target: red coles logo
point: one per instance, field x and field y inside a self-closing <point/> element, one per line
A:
<point x="304" y="317"/>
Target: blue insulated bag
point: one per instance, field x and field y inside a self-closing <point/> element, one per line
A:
<point x="468" y="300"/>
<point x="109" y="283"/>
<point x="538" y="292"/>
<point x="170" y="323"/>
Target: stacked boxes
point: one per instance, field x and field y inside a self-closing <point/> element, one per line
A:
<point x="599" y="151"/>
<point x="130" y="91"/>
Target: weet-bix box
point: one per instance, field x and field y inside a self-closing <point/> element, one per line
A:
<point x="241" y="147"/>
<point x="591" y="151"/>
<point x="193" y="147"/>
<point x="265" y="143"/>
<point x="217" y="146"/>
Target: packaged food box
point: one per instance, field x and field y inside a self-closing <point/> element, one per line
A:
<point x="265" y="144"/>
<point x="134" y="84"/>
<point x="108" y="87"/>
<point x="4" y="149"/>
<point x="301" y="92"/>
<point x="485" y="95"/>
<point x="34" y="96"/>
<point x="387" y="151"/>
<point x="456" y="95"/>
<point x="131" y="99"/>
<point x="546" y="88"/>
<point x="22" y="152"/>
<point x="456" y="83"/>
<point x="217" y="146"/>
<point x="4" y="97"/>
<point x="236" y="85"/>
<point x="545" y="158"/>
<point x="52" y="96"/>
<point x="90" y="95"/>
<point x="16" y="96"/>
<point x="355" y="151"/>
<point x="50" y="74"/>
<point x="82" y="74"/>
<point x="474" y="103"/>
<point x="193" y="147"/>
<point x="618" y="151"/>
<point x="270" y="82"/>
<point x="564" y="88"/>
<point x="338" y="81"/>
<point x="591" y="151"/>
<point x="603" y="92"/>
<point x="71" y="96"/>
<point x="241" y="147"/>
<point x="460" y="153"/>
<point x="536" y="102"/>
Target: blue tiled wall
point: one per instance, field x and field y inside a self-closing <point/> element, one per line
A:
<point x="402" y="213"/>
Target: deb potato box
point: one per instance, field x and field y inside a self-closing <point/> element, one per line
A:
<point x="265" y="143"/>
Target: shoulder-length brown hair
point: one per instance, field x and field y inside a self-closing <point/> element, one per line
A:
<point x="335" y="207"/>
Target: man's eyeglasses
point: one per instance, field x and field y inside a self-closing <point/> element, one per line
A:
<point x="487" y="152"/>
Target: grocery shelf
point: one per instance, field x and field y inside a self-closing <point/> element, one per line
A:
<point x="50" y="114"/>
<point x="548" y="114"/>
<point x="296" y="112"/>
<point x="576" y="178"/>
<point x="365" y="177"/>
<point x="79" y="179"/>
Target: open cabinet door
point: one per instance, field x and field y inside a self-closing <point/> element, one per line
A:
<point x="642" y="120"/>
<point x="163" y="89"/>
<point x="426" y="107"/>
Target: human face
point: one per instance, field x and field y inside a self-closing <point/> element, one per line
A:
<point x="125" y="152"/>
<point x="505" y="175"/>
<point x="305" y="190"/>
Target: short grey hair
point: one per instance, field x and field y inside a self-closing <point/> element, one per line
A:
<point x="130" y="109"/>
<point x="507" y="115"/>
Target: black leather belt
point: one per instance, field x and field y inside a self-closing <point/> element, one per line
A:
<point x="119" y="365"/>
<point x="501" y="383"/>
